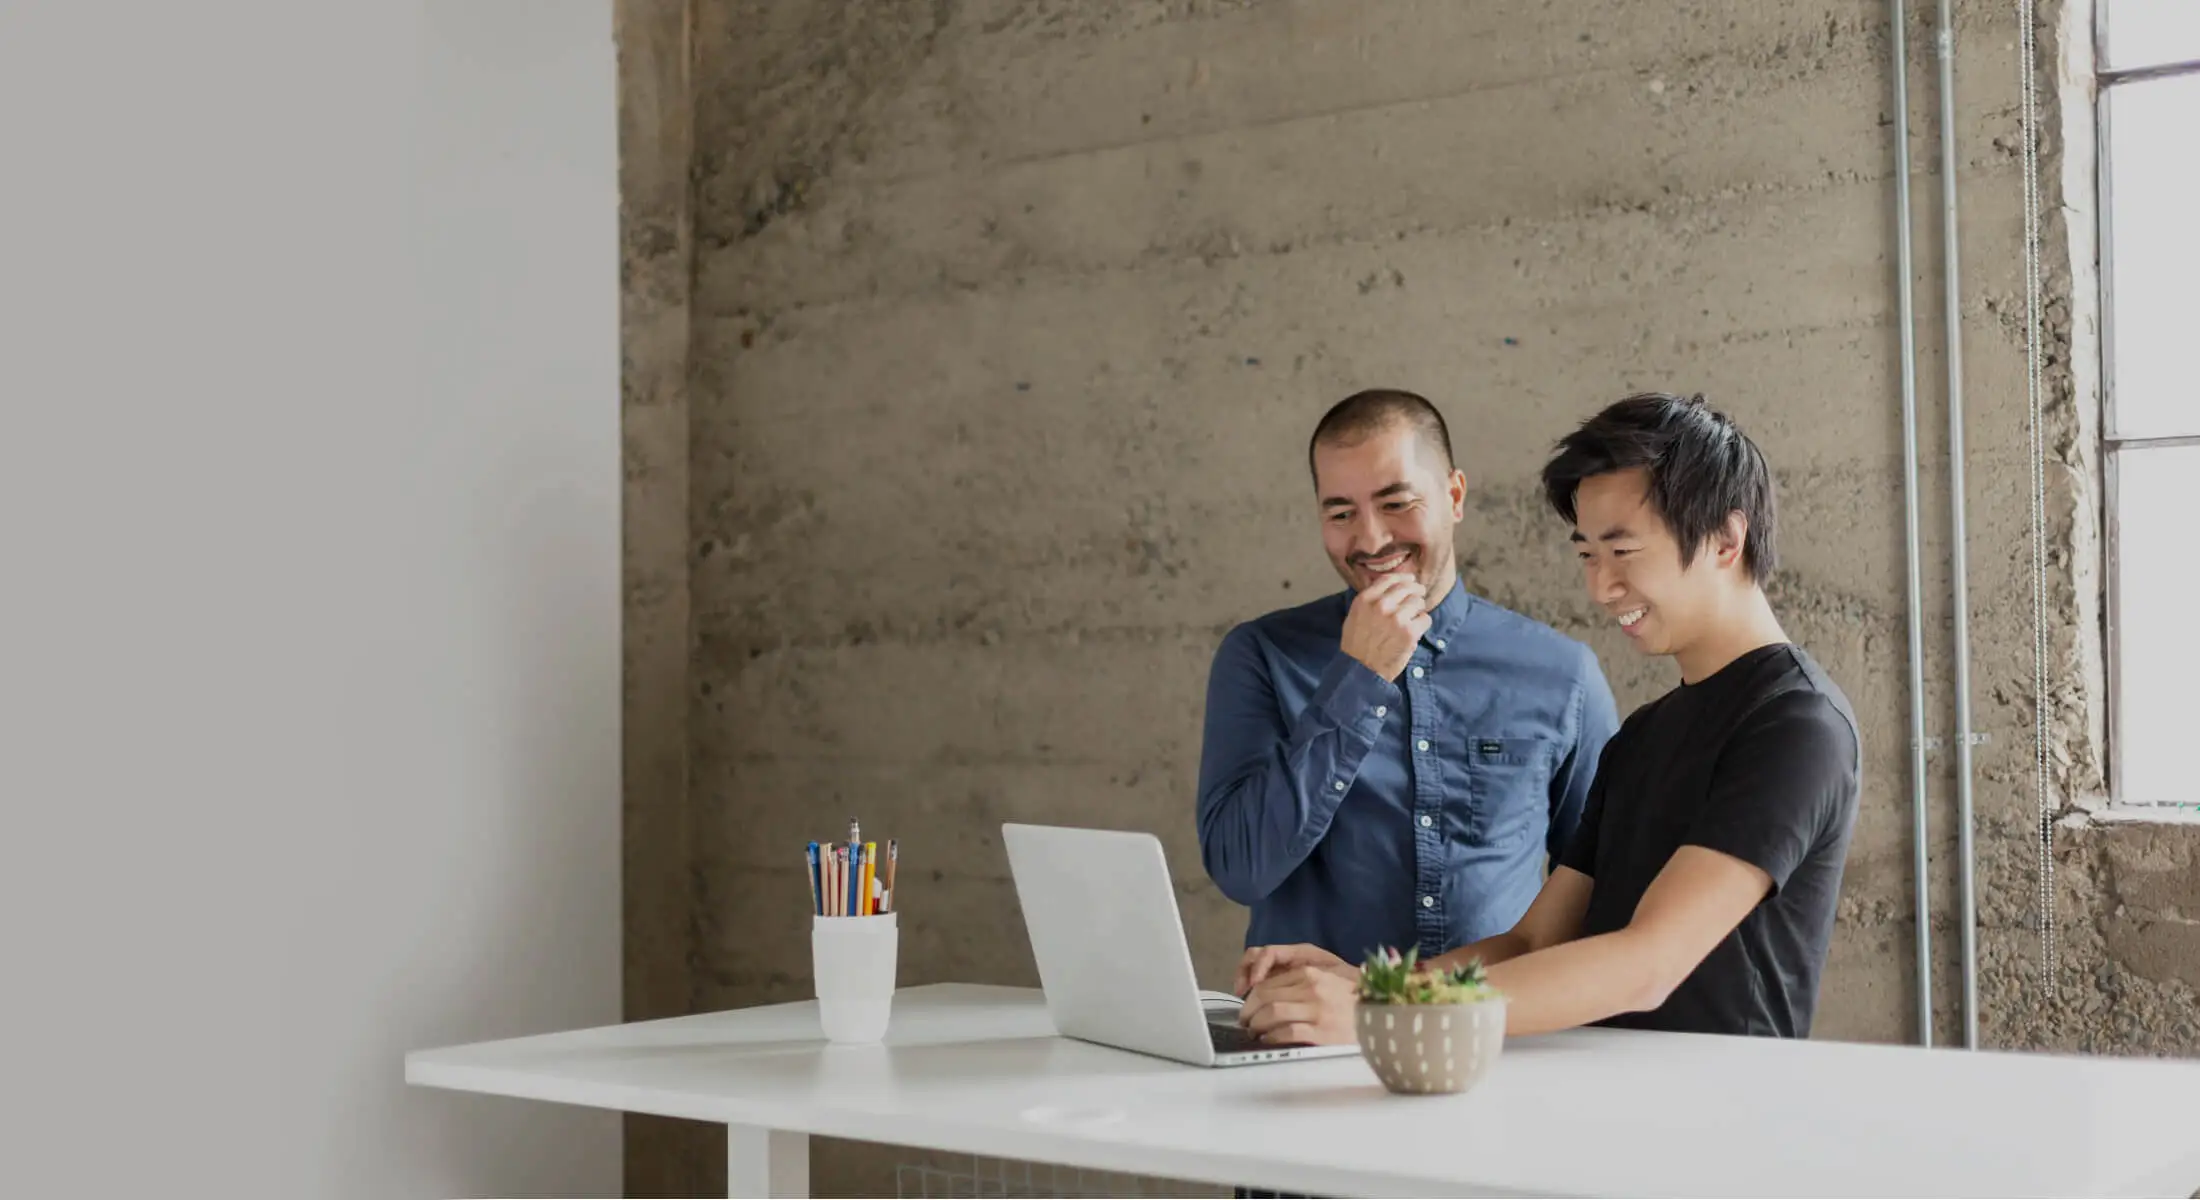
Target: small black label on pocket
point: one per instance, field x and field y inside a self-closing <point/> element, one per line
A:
<point x="1492" y="747"/>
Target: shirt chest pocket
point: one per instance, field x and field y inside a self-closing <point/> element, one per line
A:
<point x="1508" y="788"/>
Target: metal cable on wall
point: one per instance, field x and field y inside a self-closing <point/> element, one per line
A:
<point x="1906" y="322"/>
<point x="2035" y="387"/>
<point x="1961" y="743"/>
<point x="1959" y="541"/>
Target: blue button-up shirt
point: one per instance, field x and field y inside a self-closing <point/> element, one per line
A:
<point x="1352" y="812"/>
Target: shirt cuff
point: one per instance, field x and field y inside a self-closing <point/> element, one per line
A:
<point x="1354" y="697"/>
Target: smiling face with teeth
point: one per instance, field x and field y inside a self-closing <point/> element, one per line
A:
<point x="1389" y="503"/>
<point x="1674" y="515"/>
<point x="1633" y="567"/>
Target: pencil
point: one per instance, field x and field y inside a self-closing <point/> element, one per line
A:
<point x="870" y="872"/>
<point x="893" y="859"/>
<point x="809" y="872"/>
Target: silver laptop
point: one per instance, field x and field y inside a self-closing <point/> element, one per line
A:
<point x="1111" y="951"/>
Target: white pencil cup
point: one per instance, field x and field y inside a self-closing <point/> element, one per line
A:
<point x="852" y="960"/>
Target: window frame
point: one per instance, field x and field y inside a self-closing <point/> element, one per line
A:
<point x="2113" y="445"/>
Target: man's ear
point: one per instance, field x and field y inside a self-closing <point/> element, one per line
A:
<point x="1731" y="539"/>
<point x="1456" y="491"/>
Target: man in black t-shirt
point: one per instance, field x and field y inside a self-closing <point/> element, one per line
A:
<point x="1699" y="892"/>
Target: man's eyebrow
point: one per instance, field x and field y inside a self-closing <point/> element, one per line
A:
<point x="1615" y="533"/>
<point x="1394" y="489"/>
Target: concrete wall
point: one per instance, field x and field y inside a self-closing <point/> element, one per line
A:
<point x="1007" y="323"/>
<point x="309" y="708"/>
<point x="656" y="123"/>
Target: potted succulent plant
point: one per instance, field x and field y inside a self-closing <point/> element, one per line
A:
<point x="1427" y="1031"/>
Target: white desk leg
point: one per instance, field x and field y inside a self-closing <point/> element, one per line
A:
<point x="766" y="1162"/>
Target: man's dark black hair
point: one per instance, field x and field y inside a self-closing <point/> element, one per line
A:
<point x="1363" y="413"/>
<point x="1702" y="468"/>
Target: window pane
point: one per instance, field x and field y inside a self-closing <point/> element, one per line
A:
<point x="2147" y="33"/>
<point x="2157" y="655"/>
<point x="2154" y="255"/>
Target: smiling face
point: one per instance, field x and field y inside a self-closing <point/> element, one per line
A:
<point x="1632" y="565"/>
<point x="1388" y="507"/>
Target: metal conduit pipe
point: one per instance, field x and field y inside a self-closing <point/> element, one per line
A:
<point x="1957" y="550"/>
<point x="1907" y="321"/>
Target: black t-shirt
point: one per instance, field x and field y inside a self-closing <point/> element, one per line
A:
<point x="1760" y="761"/>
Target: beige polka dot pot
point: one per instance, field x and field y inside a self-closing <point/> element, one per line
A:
<point x="1423" y="1049"/>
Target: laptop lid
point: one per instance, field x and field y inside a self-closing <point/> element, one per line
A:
<point x="1108" y="939"/>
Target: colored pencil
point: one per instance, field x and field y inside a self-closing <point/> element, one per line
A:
<point x="849" y="879"/>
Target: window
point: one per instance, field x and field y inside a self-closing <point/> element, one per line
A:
<point x="2147" y="65"/>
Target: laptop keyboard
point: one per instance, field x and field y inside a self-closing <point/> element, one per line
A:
<point x="1229" y="1037"/>
<point x="1223" y="1031"/>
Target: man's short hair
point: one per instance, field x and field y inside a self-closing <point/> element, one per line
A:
<point x="1364" y="413"/>
<point x="1702" y="468"/>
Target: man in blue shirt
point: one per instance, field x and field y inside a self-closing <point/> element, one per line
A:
<point x="1392" y="765"/>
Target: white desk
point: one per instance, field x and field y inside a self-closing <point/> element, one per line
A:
<point x="978" y="1070"/>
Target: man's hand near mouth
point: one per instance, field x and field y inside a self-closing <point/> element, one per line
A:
<point x="1385" y="623"/>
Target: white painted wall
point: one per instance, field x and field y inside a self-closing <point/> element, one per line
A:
<point x="309" y="644"/>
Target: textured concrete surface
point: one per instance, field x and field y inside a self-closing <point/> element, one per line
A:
<point x="656" y="261"/>
<point x="1004" y="324"/>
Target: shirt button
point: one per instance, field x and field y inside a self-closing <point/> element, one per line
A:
<point x="1422" y="744"/>
<point x="1340" y="785"/>
<point x="1428" y="902"/>
<point x="1416" y="672"/>
<point x="1439" y="643"/>
<point x="1382" y="710"/>
<point x="1427" y="821"/>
